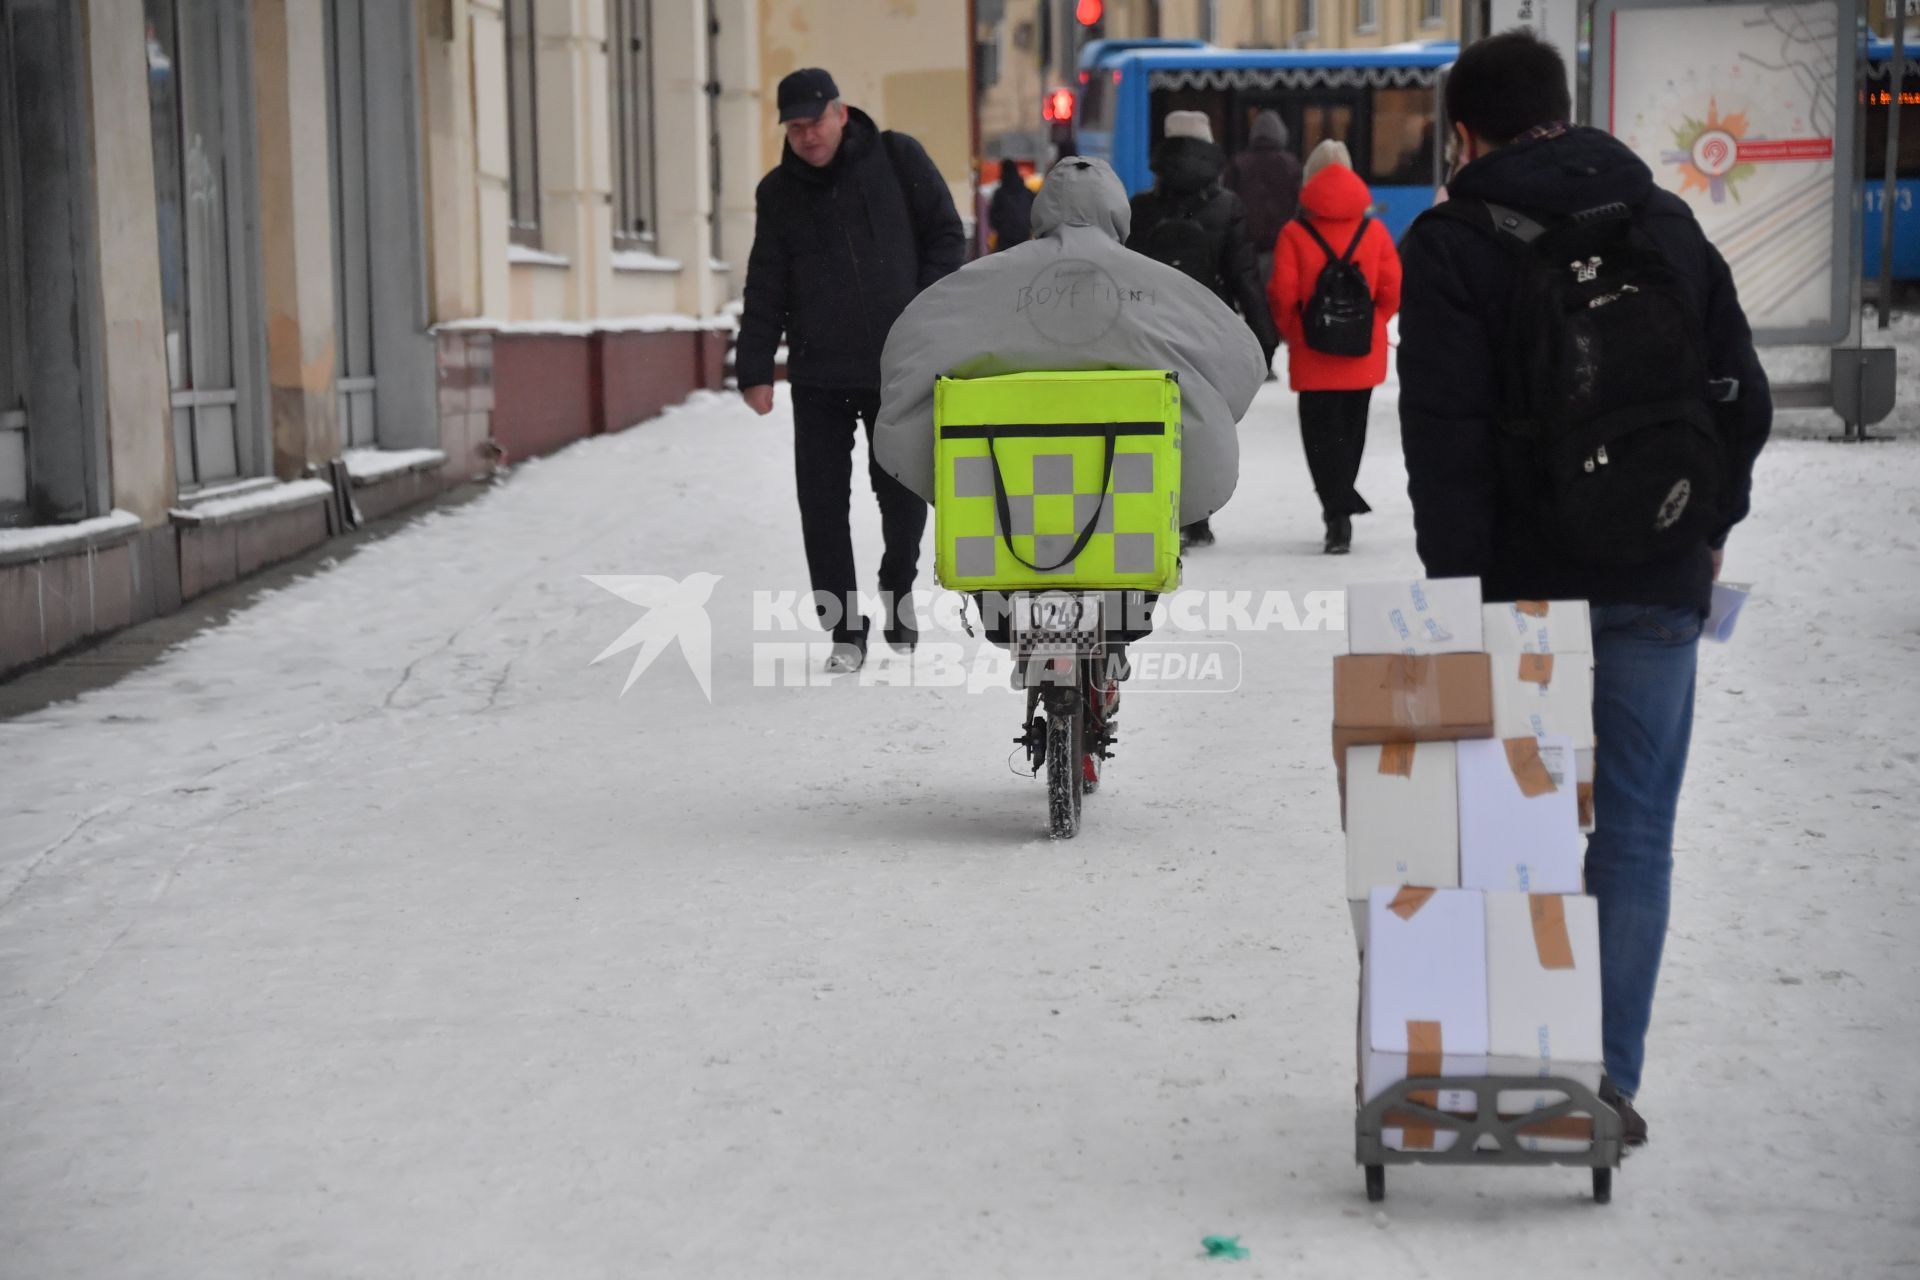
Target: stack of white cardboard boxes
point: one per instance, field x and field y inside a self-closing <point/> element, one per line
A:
<point x="1464" y="738"/>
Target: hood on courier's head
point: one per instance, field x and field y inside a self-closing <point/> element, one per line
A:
<point x="1081" y="191"/>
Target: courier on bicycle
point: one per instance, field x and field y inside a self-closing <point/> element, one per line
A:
<point x="1067" y="405"/>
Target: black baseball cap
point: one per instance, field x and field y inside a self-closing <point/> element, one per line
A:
<point x="805" y="93"/>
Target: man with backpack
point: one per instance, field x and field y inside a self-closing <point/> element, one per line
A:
<point x="1191" y="222"/>
<point x="1581" y="407"/>
<point x="1336" y="283"/>
<point x="848" y="229"/>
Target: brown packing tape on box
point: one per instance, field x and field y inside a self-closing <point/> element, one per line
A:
<point x="1403" y="698"/>
<point x="1529" y="770"/>
<point x="1550" y="940"/>
<point x="1423" y="1059"/>
<point x="1532" y="608"/>
<point x="1364" y="707"/>
<point x="1407" y="903"/>
<point x="1536" y="668"/>
<point x="1577" y="1128"/>
<point x="1396" y="759"/>
<point x="1414" y="685"/>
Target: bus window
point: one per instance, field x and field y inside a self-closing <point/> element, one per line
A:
<point x="1096" y="100"/>
<point x="1878" y="102"/>
<point x="1403" y="138"/>
<point x="1322" y="120"/>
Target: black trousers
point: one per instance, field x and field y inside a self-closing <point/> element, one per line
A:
<point x="823" y="425"/>
<point x="1333" y="427"/>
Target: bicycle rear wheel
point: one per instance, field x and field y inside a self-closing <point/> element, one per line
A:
<point x="1066" y="736"/>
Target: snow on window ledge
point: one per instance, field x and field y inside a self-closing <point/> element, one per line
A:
<point x="44" y="541"/>
<point x="641" y="260"/>
<point x="280" y="497"/>
<point x="527" y="256"/>
<point x="371" y="466"/>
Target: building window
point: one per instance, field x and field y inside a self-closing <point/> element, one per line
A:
<point x="716" y="171"/>
<point x="630" y="53"/>
<point x="1309" y="17"/>
<point x="1209" y="20"/>
<point x="199" y="90"/>
<point x="353" y="368"/>
<point x="986" y="63"/>
<point x="1366" y="15"/>
<point x="13" y="320"/>
<point x="1433" y="13"/>
<point x="523" y="147"/>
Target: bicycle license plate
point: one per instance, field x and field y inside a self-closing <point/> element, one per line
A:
<point x="1055" y="623"/>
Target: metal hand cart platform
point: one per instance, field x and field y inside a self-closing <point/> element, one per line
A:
<point x="1397" y="1106"/>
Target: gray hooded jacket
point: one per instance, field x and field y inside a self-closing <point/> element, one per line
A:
<point x="1072" y="298"/>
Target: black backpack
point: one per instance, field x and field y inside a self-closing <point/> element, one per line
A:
<point x="1605" y="391"/>
<point x="1338" y="317"/>
<point x="1183" y="244"/>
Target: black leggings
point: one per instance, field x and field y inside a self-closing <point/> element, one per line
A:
<point x="1333" y="427"/>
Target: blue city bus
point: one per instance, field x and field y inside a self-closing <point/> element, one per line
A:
<point x="1382" y="103"/>
<point x="1906" y="218"/>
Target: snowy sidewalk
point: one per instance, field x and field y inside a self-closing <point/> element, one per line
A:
<point x="371" y="933"/>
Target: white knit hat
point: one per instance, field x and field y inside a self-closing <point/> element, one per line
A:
<point x="1330" y="151"/>
<point x="1189" y="124"/>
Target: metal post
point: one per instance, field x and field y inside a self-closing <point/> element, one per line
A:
<point x="1890" y="196"/>
<point x="1852" y="431"/>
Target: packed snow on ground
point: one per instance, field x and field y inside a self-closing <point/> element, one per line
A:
<point x="371" y="932"/>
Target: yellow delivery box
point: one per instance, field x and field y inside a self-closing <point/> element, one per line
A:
<point x="1057" y="480"/>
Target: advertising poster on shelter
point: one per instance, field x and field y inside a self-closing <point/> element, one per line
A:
<point x="1734" y="109"/>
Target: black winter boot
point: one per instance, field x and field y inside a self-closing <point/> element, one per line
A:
<point x="849" y="650"/>
<point x="903" y="625"/>
<point x="1339" y="535"/>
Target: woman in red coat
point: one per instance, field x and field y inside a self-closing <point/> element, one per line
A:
<point x="1334" y="390"/>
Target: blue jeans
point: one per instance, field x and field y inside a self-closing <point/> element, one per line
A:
<point x="1644" y="658"/>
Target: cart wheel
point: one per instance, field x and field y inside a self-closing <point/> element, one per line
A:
<point x="1603" y="1186"/>
<point x="1376" y="1183"/>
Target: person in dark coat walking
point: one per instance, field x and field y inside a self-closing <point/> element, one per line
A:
<point x="847" y="230"/>
<point x="1188" y="220"/>
<point x="1476" y="511"/>
<point x="1335" y="391"/>
<point x="1266" y="176"/>
<point x="1010" y="212"/>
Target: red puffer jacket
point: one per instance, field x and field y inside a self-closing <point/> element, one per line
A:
<point x="1335" y="200"/>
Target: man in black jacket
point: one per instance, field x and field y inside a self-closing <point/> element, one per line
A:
<point x="848" y="229"/>
<point x="1190" y="221"/>
<point x="1476" y="515"/>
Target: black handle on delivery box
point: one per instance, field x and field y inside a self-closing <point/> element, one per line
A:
<point x="1093" y="522"/>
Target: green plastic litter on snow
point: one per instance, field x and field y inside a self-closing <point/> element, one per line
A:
<point x="1224" y="1247"/>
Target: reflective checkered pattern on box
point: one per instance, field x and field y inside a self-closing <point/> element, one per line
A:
<point x="1048" y="434"/>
